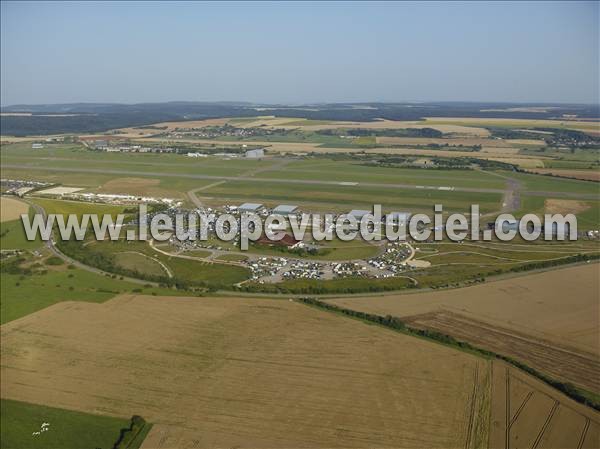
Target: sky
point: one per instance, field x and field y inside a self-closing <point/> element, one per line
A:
<point x="283" y="52"/>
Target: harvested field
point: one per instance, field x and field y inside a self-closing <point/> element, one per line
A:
<point x="586" y="175"/>
<point x="523" y="162"/>
<point x="560" y="306"/>
<point x="527" y="413"/>
<point x="559" y="362"/>
<point x="526" y="142"/>
<point x="134" y="132"/>
<point x="560" y="206"/>
<point x="592" y="126"/>
<point x="11" y="209"/>
<point x="223" y="372"/>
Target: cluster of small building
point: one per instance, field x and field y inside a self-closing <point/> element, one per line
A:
<point x="109" y="147"/>
<point x="74" y="193"/>
<point x="212" y="132"/>
<point x="19" y="187"/>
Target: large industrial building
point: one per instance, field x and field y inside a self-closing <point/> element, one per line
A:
<point x="254" y="154"/>
<point x="251" y="207"/>
<point x="285" y="209"/>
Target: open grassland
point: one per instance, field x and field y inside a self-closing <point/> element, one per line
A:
<point x="67" y="429"/>
<point x="527" y="413"/>
<point x="34" y="282"/>
<point x="119" y="256"/>
<point x="538" y="183"/>
<point x="11" y="209"/>
<point x="347" y="171"/>
<point x="344" y="197"/>
<point x="173" y="175"/>
<point x="78" y="208"/>
<point x="140" y="162"/>
<point x="12" y="235"/>
<point x="586" y="211"/>
<point x="250" y="373"/>
<point x="548" y="320"/>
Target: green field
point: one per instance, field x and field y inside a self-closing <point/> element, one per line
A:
<point x="186" y="270"/>
<point x="549" y="184"/>
<point x="344" y="198"/>
<point x="137" y="261"/>
<point x="232" y="257"/>
<point x="67" y="429"/>
<point x="24" y="294"/>
<point x="343" y="171"/>
<point x="65" y="207"/>
<point x="586" y="219"/>
<point x="12" y="236"/>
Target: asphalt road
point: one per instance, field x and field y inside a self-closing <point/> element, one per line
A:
<point x="54" y="250"/>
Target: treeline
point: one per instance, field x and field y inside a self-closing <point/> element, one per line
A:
<point x="361" y="132"/>
<point x="320" y="287"/>
<point x="444" y="163"/>
<point x="397" y="324"/>
<point x="137" y="430"/>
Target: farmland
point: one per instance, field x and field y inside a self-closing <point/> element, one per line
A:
<point x="12" y="209"/>
<point x="526" y="413"/>
<point x="132" y="328"/>
<point x="282" y="356"/>
<point x="562" y="339"/>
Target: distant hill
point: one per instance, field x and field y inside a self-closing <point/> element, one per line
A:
<point x="99" y="117"/>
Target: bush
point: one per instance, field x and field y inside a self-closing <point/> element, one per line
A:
<point x="54" y="260"/>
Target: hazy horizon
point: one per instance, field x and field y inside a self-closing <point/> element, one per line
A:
<point x="300" y="53"/>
